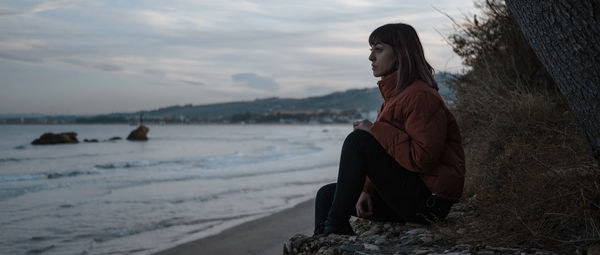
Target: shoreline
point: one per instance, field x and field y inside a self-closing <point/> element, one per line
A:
<point x="265" y="235"/>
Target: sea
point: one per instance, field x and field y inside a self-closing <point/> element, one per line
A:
<point x="186" y="182"/>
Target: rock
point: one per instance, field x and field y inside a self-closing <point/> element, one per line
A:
<point x="114" y="138"/>
<point x="51" y="138"/>
<point x="426" y="238"/>
<point x="294" y="244"/>
<point x="90" y="140"/>
<point x="351" y="247"/>
<point x="594" y="249"/>
<point x="139" y="134"/>
<point x="371" y="247"/>
<point x="415" y="231"/>
<point x="407" y="240"/>
<point x="413" y="225"/>
<point x="379" y="239"/>
<point x="375" y="229"/>
<point x="421" y="251"/>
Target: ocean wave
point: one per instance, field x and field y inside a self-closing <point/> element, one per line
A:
<point x="41" y="250"/>
<point x="9" y="192"/>
<point x="150" y="163"/>
<point x="24" y="177"/>
<point x="127" y="164"/>
<point x="219" y="195"/>
<point x="41" y="176"/>
<point x="113" y="233"/>
<point x="269" y="153"/>
<point x="272" y="153"/>
<point x="267" y="172"/>
<point x="6" y="160"/>
<point x="212" y="162"/>
<point x="70" y="174"/>
<point x="3" y="160"/>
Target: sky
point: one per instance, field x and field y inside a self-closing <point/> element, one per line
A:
<point x="102" y="56"/>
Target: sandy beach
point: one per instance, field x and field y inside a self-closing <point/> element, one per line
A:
<point x="262" y="236"/>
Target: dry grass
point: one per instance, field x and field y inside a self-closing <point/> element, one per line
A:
<point x="531" y="178"/>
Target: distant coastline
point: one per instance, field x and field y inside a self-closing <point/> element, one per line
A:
<point x="283" y="117"/>
<point x="337" y="107"/>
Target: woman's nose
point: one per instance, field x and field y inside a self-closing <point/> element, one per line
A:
<point x="371" y="56"/>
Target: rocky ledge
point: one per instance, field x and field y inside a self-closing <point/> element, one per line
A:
<point x="51" y="138"/>
<point x="394" y="238"/>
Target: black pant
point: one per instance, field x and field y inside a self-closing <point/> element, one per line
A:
<point x="401" y="194"/>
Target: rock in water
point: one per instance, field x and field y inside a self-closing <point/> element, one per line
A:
<point x="51" y="138"/>
<point x="139" y="134"/>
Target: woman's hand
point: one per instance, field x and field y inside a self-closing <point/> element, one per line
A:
<point x="364" y="205"/>
<point x="363" y="125"/>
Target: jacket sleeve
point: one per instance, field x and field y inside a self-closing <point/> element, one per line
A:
<point x="419" y="146"/>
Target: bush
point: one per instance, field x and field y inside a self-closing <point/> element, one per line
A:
<point x="531" y="175"/>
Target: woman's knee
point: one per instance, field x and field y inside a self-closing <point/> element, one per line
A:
<point x="357" y="137"/>
<point x="326" y="192"/>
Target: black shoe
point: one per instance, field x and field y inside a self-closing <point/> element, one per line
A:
<point x="340" y="229"/>
<point x="319" y="229"/>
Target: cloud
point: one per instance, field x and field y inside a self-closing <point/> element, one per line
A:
<point x="46" y="6"/>
<point x="222" y="50"/>
<point x="155" y="72"/>
<point x="20" y="57"/>
<point x="170" y="20"/>
<point x="255" y="81"/>
<point x="318" y="90"/>
<point x="28" y="50"/>
<point x="195" y="83"/>
<point x="76" y="62"/>
<point x="108" y="67"/>
<point x="340" y="51"/>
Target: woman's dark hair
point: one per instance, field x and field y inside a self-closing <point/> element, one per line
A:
<point x="411" y="63"/>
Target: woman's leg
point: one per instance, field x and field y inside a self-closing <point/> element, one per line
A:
<point x="322" y="205"/>
<point x="363" y="156"/>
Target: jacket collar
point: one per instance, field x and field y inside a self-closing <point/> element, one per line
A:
<point x="387" y="85"/>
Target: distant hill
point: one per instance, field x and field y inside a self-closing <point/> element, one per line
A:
<point x="335" y="107"/>
<point x="354" y="101"/>
<point x="363" y="100"/>
<point x="22" y="115"/>
<point x="359" y="99"/>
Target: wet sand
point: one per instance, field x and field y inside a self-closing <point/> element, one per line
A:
<point x="262" y="236"/>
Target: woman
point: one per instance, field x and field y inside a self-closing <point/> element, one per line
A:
<point x="409" y="164"/>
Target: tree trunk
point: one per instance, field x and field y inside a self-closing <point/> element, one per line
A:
<point x="565" y="35"/>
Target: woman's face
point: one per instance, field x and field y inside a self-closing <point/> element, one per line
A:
<point x="382" y="59"/>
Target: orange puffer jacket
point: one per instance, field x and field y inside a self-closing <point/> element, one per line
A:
<point x="417" y="129"/>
